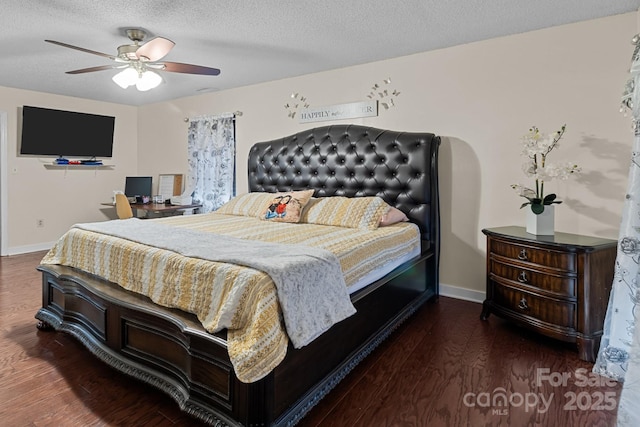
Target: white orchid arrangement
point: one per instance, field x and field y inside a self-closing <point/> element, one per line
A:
<point x="536" y="148"/>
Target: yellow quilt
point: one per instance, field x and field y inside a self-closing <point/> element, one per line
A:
<point x="226" y="296"/>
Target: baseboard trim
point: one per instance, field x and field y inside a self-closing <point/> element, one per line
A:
<point x="17" y="250"/>
<point x="462" y="293"/>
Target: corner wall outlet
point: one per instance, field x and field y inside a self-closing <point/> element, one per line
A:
<point x="40" y="223"/>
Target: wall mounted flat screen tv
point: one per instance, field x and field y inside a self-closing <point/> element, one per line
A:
<point x="49" y="132"/>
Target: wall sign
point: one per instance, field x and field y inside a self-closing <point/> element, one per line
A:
<point x="351" y="110"/>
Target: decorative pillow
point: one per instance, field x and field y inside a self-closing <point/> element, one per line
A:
<point x="285" y="207"/>
<point x="248" y="204"/>
<point x="352" y="212"/>
<point x="393" y="216"/>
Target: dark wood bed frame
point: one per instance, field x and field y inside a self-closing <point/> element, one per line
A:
<point x="170" y="350"/>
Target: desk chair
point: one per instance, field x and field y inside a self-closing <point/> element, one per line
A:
<point x="123" y="208"/>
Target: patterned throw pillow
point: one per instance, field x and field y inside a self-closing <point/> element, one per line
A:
<point x="352" y="212"/>
<point x="285" y="207"/>
<point x="248" y="204"/>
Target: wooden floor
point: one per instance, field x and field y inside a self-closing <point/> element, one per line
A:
<point x="443" y="367"/>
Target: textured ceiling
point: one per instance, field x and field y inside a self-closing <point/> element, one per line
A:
<point x="253" y="41"/>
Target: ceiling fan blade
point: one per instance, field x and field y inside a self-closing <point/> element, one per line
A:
<point x="92" y="69"/>
<point x="177" y="67"/>
<point x="81" y="49"/>
<point x="155" y="49"/>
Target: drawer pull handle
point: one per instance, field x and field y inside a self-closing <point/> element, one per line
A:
<point x="522" y="255"/>
<point x="522" y="277"/>
<point x="523" y="304"/>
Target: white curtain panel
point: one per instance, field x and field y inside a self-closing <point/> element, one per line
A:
<point x="628" y="408"/>
<point x="619" y="353"/>
<point x="622" y="311"/>
<point x="212" y="152"/>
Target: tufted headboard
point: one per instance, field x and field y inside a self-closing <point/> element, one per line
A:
<point x="352" y="161"/>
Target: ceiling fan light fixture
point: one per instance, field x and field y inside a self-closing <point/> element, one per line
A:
<point x="136" y="61"/>
<point x="126" y="77"/>
<point x="148" y="80"/>
<point x="144" y="80"/>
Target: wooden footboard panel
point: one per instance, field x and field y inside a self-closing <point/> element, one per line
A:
<point x="170" y="350"/>
<point x="165" y="348"/>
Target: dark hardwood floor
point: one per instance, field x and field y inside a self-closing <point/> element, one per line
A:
<point x="443" y="367"/>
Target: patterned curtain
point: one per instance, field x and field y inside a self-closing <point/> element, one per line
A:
<point x="619" y="355"/>
<point x="623" y="309"/>
<point x="628" y="412"/>
<point x="212" y="153"/>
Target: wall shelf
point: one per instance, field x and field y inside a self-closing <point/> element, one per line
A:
<point x="54" y="166"/>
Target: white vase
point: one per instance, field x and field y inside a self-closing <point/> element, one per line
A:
<point x="542" y="224"/>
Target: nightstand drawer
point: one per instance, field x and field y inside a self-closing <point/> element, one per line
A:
<point x="547" y="310"/>
<point x="545" y="257"/>
<point x="560" y="285"/>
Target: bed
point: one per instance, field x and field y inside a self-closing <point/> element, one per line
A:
<point x="170" y="348"/>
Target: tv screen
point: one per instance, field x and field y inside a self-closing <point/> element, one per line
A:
<point x="49" y="132"/>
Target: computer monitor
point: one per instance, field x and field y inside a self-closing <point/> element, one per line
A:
<point x="137" y="186"/>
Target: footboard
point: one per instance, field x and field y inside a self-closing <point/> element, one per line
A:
<point x="165" y="348"/>
<point x="170" y="350"/>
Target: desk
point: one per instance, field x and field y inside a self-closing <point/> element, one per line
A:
<point x="162" y="208"/>
<point x="158" y="208"/>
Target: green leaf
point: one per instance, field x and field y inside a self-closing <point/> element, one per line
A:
<point x="549" y="198"/>
<point x="537" y="208"/>
<point x="524" y="204"/>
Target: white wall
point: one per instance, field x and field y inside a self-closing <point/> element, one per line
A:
<point x="481" y="98"/>
<point x="61" y="197"/>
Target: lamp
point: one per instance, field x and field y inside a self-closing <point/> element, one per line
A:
<point x="143" y="79"/>
<point x="126" y="77"/>
<point x="148" y="80"/>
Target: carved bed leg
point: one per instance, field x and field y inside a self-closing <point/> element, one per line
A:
<point x="44" y="326"/>
<point x="486" y="311"/>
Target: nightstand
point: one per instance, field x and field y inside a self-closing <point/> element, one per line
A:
<point x="557" y="285"/>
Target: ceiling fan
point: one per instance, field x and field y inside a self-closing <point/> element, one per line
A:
<point x="140" y="61"/>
